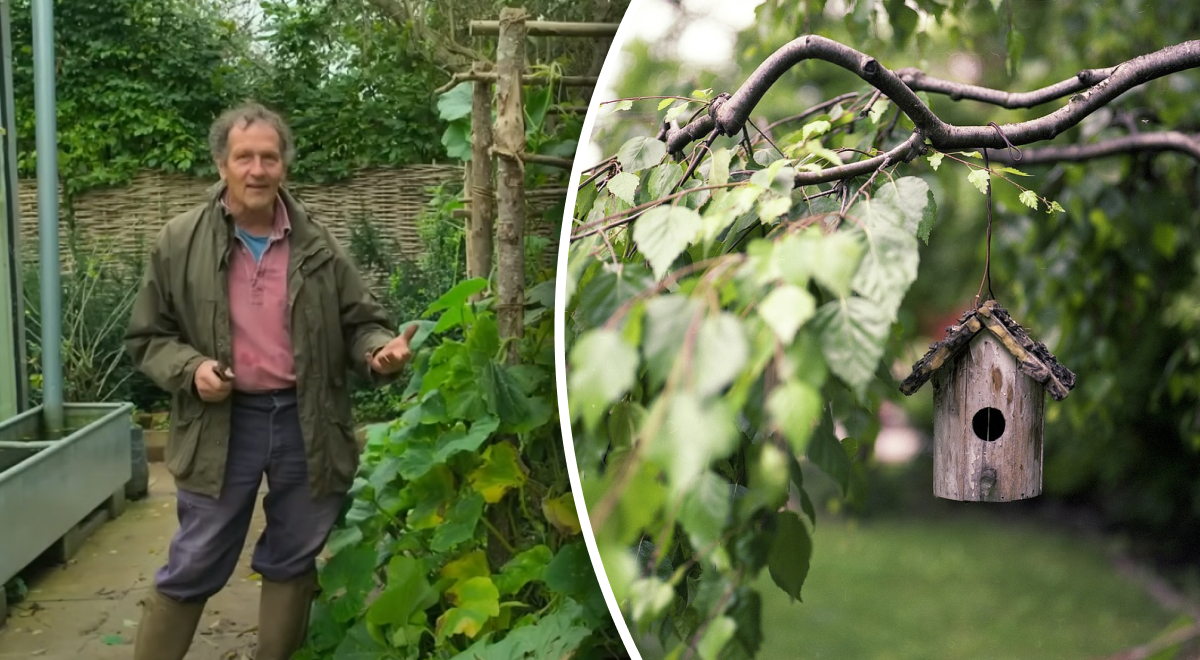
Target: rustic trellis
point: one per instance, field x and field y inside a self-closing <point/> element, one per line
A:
<point x="496" y="224"/>
<point x="124" y="220"/>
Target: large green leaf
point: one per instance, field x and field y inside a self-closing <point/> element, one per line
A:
<point x="359" y="644"/>
<point x="720" y="353"/>
<point x="852" y="332"/>
<point x="640" y="152"/>
<point x="667" y="321"/>
<point x="457" y="140"/>
<point x="472" y="564"/>
<point x="453" y="304"/>
<point x="787" y="308"/>
<point x="570" y="572"/>
<point x="641" y="501"/>
<point x="502" y="391"/>
<point x="663" y="233"/>
<point x="457" y="295"/>
<point x="914" y="200"/>
<point x="555" y="635"/>
<point x="537" y="103"/>
<point x="460" y="523"/>
<point x="836" y="260"/>
<point x="431" y="494"/>
<point x="718" y="172"/>
<point x="461" y="621"/>
<point x="602" y="295"/>
<point x="476" y="600"/>
<point x="347" y="579"/>
<point x="477" y="593"/>
<point x="456" y="103"/>
<point x="649" y="597"/>
<point x="483" y="339"/>
<point x="790" y="554"/>
<point x="522" y="569"/>
<point x="777" y="177"/>
<point x="693" y="434"/>
<point x="407" y="592"/>
<point x="603" y="367"/>
<point x="794" y="409"/>
<point x="343" y="538"/>
<point x="746" y="610"/>
<point x="416" y="460"/>
<point x="888" y="268"/>
<point x="624" y="186"/>
<point x="500" y="472"/>
<point x="457" y="440"/>
<point x="659" y="181"/>
<point x="705" y="511"/>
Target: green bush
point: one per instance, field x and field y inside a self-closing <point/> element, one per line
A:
<point x="405" y="286"/>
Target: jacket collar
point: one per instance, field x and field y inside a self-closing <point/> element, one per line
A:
<point x="304" y="237"/>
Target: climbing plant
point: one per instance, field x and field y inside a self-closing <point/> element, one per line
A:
<point x="462" y="540"/>
<point x="738" y="270"/>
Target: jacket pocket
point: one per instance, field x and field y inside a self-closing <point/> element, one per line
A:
<point x="184" y="436"/>
<point x="343" y="454"/>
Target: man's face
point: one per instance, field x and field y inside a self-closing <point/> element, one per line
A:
<point x="253" y="168"/>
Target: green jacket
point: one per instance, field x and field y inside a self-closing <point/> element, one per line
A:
<point x="181" y="318"/>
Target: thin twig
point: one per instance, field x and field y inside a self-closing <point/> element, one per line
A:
<point x="621" y="217"/>
<point x="824" y="105"/>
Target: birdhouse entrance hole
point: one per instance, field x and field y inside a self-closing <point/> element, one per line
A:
<point x="988" y="424"/>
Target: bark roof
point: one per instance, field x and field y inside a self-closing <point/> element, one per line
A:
<point x="1033" y="358"/>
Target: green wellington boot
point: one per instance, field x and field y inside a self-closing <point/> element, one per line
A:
<point x="283" y="616"/>
<point x="166" y="629"/>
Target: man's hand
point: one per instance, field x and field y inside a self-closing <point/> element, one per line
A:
<point x="391" y="358"/>
<point x="213" y="382"/>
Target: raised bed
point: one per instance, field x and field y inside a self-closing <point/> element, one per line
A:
<point x="50" y="485"/>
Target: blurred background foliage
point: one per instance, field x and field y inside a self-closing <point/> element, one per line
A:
<point x="1111" y="286"/>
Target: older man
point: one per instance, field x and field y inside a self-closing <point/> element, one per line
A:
<point x="250" y="316"/>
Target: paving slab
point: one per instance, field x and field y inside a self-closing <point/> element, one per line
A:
<point x="88" y="608"/>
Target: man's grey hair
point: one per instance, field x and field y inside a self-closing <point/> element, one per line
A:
<point x="244" y="115"/>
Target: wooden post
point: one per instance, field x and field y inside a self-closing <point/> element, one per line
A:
<point x="601" y="45"/>
<point x="479" y="228"/>
<point x="510" y="197"/>
<point x="987" y="427"/>
<point x="547" y="28"/>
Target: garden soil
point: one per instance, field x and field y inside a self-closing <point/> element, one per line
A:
<point x="88" y="608"/>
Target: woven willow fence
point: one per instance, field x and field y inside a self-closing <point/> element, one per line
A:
<point x="126" y="220"/>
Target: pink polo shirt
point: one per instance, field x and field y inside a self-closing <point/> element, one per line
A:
<point x="260" y="328"/>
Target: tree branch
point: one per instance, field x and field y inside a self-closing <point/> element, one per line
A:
<point x="444" y="48"/>
<point x="902" y="152"/>
<point x="1129" y="144"/>
<point x="728" y="115"/>
<point x="918" y="81"/>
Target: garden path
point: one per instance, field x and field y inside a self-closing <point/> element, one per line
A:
<point x="88" y="608"/>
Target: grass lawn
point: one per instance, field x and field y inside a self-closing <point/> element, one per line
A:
<point x="957" y="587"/>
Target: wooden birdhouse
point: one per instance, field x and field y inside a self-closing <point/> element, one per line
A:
<point x="989" y="385"/>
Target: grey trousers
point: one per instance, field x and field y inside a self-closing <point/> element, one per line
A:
<point x="264" y="439"/>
